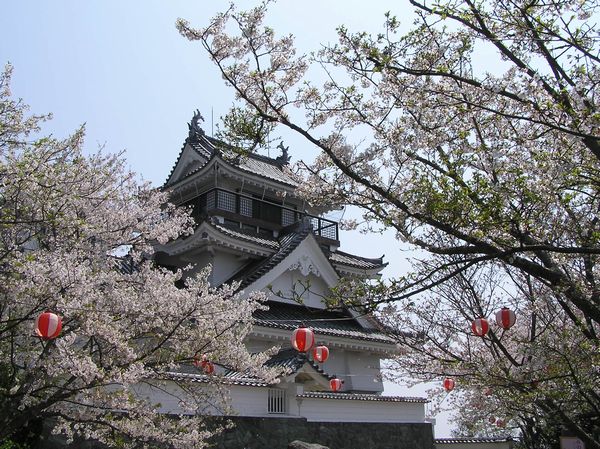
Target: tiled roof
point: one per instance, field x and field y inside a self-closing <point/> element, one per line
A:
<point x="360" y="397"/>
<point x="256" y="164"/>
<point x="292" y="361"/>
<point x="286" y="245"/>
<point x="230" y="378"/>
<point x="472" y="440"/>
<point x="252" y="237"/>
<point x="342" y="258"/>
<point x="325" y="322"/>
<point x="288" y="360"/>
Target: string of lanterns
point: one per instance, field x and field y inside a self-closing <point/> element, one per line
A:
<point x="49" y="325"/>
<point x="303" y="340"/>
<point x="505" y="318"/>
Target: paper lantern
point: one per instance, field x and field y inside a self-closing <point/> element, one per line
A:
<point x="204" y="364"/>
<point x="492" y="419"/>
<point x="336" y="384"/>
<point x="208" y="368"/>
<point x="48" y="325"/>
<point x="480" y="327"/>
<point x="500" y="423"/>
<point x="200" y="362"/>
<point x="303" y="339"/>
<point x="505" y="318"/>
<point x="449" y="384"/>
<point x="321" y="353"/>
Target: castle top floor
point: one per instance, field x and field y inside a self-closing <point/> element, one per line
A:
<point x="250" y="192"/>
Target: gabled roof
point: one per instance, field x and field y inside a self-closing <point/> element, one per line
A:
<point x="289" y="361"/>
<point x="287" y="243"/>
<point x="293" y="361"/>
<point x="207" y="148"/>
<point x="289" y="240"/>
<point x="322" y="322"/>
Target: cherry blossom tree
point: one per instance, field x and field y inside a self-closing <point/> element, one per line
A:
<point x="488" y="166"/>
<point x="64" y="218"/>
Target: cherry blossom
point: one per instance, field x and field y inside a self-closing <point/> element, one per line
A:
<point x="125" y="322"/>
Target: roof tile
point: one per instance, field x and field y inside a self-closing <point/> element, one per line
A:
<point x="360" y="397"/>
<point x="325" y="322"/>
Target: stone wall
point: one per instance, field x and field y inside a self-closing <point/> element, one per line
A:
<point x="277" y="433"/>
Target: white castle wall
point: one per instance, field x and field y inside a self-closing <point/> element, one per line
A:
<point x="253" y="401"/>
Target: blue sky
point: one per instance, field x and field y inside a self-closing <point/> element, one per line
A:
<point x="122" y="68"/>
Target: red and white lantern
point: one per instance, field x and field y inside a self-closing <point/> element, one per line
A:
<point x="200" y="362"/>
<point x="303" y="339"/>
<point x="449" y="384"/>
<point x="480" y="327"/>
<point x="505" y="318"/>
<point x="204" y="364"/>
<point x="208" y="368"/>
<point x="321" y="353"/>
<point x="336" y="384"/>
<point x="48" y="325"/>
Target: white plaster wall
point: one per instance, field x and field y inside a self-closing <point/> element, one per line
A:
<point x="311" y="289"/>
<point x="366" y="371"/>
<point x="225" y="265"/>
<point x="359" y="370"/>
<point x="244" y="400"/>
<point x="169" y="394"/>
<point x="249" y="401"/>
<point x="338" y="410"/>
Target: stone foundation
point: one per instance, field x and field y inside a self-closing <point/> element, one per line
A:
<point x="278" y="433"/>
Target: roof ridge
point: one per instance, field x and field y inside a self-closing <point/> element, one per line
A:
<point x="360" y="397"/>
<point x="245" y="153"/>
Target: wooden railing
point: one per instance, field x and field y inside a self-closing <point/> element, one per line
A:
<point x="258" y="212"/>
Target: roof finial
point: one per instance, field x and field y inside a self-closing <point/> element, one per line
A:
<point x="194" y="126"/>
<point x="284" y="159"/>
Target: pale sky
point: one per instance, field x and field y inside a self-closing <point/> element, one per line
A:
<point x="122" y="68"/>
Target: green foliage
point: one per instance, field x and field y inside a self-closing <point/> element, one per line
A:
<point x="10" y="444"/>
<point x="245" y="131"/>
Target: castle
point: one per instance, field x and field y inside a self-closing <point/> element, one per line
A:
<point x="251" y="227"/>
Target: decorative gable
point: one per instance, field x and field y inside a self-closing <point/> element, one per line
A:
<point x="305" y="272"/>
<point x="189" y="160"/>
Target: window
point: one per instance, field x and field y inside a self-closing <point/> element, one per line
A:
<point x="210" y="200"/>
<point x="226" y="201"/>
<point x="245" y="206"/>
<point x="277" y="401"/>
<point x="288" y="217"/>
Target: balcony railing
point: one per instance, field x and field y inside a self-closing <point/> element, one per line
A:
<point x="250" y="212"/>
